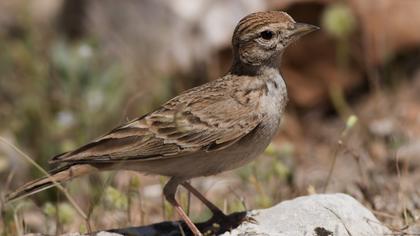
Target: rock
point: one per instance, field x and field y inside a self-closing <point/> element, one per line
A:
<point x="318" y="215"/>
<point x="314" y="215"/>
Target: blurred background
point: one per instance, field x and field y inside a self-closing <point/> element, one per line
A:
<point x="71" y="70"/>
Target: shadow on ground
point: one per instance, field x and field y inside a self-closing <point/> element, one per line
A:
<point x="214" y="226"/>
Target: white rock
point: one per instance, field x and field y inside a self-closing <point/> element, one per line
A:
<point x="317" y="215"/>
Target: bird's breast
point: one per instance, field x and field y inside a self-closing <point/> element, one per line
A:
<point x="274" y="101"/>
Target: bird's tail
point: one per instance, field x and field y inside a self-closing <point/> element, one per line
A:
<point x="58" y="175"/>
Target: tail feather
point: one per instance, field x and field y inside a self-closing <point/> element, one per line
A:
<point x="58" y="175"/>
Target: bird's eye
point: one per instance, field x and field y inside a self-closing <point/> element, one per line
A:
<point x="267" y="34"/>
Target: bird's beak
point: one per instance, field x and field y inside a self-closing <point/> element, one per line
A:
<point x="302" y="29"/>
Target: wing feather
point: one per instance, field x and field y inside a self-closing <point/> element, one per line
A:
<point x="203" y="118"/>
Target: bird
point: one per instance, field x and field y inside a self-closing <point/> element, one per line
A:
<point x="215" y="127"/>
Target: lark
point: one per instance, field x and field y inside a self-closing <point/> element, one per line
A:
<point x="209" y="129"/>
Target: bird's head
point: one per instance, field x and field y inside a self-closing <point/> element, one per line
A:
<point x="260" y="38"/>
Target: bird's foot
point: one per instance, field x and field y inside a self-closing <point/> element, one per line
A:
<point x="220" y="223"/>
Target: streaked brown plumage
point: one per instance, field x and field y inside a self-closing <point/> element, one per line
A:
<point x="212" y="128"/>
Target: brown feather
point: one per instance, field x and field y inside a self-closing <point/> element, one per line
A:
<point x="59" y="175"/>
<point x="195" y="120"/>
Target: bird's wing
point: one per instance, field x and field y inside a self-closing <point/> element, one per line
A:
<point x="205" y="118"/>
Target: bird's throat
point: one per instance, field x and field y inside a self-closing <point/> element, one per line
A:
<point x="241" y="68"/>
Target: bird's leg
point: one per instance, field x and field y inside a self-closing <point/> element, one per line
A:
<point x="213" y="208"/>
<point x="169" y="191"/>
<point x="219" y="221"/>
